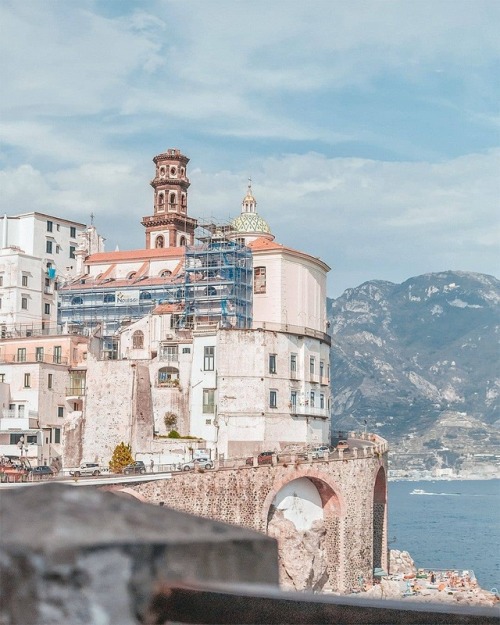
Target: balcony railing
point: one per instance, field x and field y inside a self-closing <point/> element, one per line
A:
<point x="33" y="357"/>
<point x="75" y="391"/>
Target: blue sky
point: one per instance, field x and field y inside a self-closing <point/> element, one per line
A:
<point x="370" y="128"/>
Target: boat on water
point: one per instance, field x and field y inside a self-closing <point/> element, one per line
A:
<point x="417" y="491"/>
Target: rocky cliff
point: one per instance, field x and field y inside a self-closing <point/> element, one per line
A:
<point x="418" y="362"/>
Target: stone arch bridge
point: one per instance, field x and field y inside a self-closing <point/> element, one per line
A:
<point x="329" y="516"/>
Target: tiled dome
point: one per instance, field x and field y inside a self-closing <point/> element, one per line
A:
<point x="250" y="222"/>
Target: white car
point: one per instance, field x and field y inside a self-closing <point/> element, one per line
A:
<point x="202" y="462"/>
<point x="319" y="452"/>
<point x="87" y="468"/>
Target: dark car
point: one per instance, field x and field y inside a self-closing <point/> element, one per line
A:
<point x="265" y="457"/>
<point x="42" y="471"/>
<point x="134" y="468"/>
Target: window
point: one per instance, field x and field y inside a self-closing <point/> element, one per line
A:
<point x="27" y="380"/>
<point x="57" y="435"/>
<point x="72" y="232"/>
<point x="58" y="249"/>
<point x="259" y="280"/>
<point x="46" y="309"/>
<point x="312" y="365"/>
<point x="273" y="399"/>
<point x="138" y="339"/>
<point x="72" y="249"/>
<point x="186" y="350"/>
<point x="50" y="226"/>
<point x="39" y="354"/>
<point x="208" y="421"/>
<point x="57" y="354"/>
<point x="50" y="381"/>
<point x="321" y="401"/>
<point x="272" y="363"/>
<point x="168" y="376"/>
<point x="60" y="411"/>
<point x="0" y="302"/>
<point x="75" y="301"/>
<point x="166" y="273"/>
<point x="21" y="354"/>
<point x="293" y="364"/>
<point x="24" y="303"/>
<point x="208" y="401"/>
<point x="293" y="400"/>
<point x="2" y="378"/>
<point x="160" y="242"/>
<point x="321" y="368"/>
<point x="58" y="227"/>
<point x="144" y="295"/>
<point x="208" y="358"/>
<point x="48" y="247"/>
<point x="170" y="353"/>
<point x="24" y="280"/>
<point x="109" y="298"/>
<point x="1" y="280"/>
<point x="312" y="399"/>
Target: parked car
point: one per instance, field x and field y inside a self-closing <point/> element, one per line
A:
<point x="86" y="468"/>
<point x="265" y="457"/>
<point x="343" y="445"/>
<point x="42" y="471"/>
<point x="202" y="462"/>
<point x="319" y="452"/>
<point x="134" y="468"/>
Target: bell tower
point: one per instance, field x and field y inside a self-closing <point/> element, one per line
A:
<point x="170" y="225"/>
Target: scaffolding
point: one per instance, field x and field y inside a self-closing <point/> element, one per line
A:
<point x="213" y="289"/>
<point x="217" y="285"/>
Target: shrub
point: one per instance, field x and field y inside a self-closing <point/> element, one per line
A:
<point x="122" y="456"/>
<point x="170" y="420"/>
<point x="173" y="434"/>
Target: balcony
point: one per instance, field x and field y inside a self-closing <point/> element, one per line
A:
<point x="33" y="358"/>
<point x="75" y="391"/>
<point x="307" y="411"/>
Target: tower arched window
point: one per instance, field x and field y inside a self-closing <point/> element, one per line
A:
<point x="182" y="241"/>
<point x="145" y="295"/>
<point x="159" y="241"/>
<point x="172" y="198"/>
<point x="138" y="339"/>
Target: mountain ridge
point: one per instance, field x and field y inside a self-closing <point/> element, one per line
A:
<point x="403" y="355"/>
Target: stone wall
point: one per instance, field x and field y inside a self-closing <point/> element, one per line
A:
<point x="245" y="496"/>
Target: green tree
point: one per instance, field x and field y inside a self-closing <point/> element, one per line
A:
<point x="122" y="456"/>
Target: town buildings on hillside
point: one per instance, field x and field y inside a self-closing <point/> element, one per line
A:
<point x="214" y="330"/>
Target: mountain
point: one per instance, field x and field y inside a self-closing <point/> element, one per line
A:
<point x="418" y="362"/>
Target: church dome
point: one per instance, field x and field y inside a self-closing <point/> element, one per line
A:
<point x="250" y="222"/>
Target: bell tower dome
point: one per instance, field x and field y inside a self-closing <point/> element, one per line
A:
<point x="170" y="225"/>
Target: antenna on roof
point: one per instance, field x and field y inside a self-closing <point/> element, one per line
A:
<point x="92" y="219"/>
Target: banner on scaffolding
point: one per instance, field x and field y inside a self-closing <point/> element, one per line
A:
<point x="127" y="297"/>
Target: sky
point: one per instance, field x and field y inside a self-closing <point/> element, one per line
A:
<point x="370" y="129"/>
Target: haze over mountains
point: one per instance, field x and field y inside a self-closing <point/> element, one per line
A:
<point x="418" y="361"/>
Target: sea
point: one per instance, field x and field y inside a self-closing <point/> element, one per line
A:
<point x="448" y="525"/>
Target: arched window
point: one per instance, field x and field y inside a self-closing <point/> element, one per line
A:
<point x="172" y="198"/>
<point x="138" y="339"/>
<point x="161" y="199"/>
<point x="172" y="171"/>
<point x="131" y="275"/>
<point x="211" y="290"/>
<point x="159" y="241"/>
<point x="182" y="241"/>
<point x="109" y="298"/>
<point x="145" y="295"/>
<point x="75" y="301"/>
<point x="166" y="273"/>
<point x="162" y="172"/>
<point x="168" y="376"/>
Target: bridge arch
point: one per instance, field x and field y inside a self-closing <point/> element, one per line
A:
<point x="305" y="510"/>
<point x="380" y="520"/>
